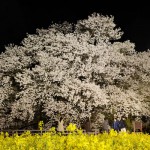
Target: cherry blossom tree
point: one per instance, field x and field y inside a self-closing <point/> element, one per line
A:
<point x="74" y="72"/>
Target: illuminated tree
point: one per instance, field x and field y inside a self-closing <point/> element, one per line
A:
<point x="73" y="71"/>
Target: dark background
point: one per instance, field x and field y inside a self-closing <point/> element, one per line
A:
<point x="18" y="17"/>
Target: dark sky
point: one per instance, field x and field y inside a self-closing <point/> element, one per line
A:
<point x="18" y="17"/>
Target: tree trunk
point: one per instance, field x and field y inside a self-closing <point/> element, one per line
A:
<point x="60" y="127"/>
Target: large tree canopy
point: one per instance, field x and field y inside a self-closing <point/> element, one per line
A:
<point x="74" y="71"/>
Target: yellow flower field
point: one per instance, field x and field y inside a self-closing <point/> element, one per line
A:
<point x="75" y="141"/>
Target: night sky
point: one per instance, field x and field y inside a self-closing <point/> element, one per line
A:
<point x="18" y="17"/>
